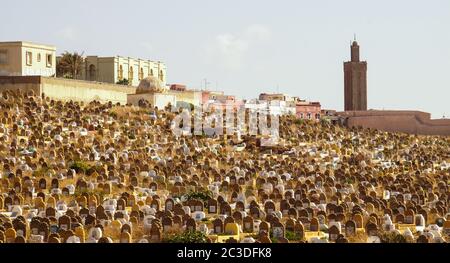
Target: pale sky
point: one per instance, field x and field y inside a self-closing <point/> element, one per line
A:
<point x="245" y="47"/>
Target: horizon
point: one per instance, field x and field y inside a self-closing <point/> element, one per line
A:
<point x="292" y="48"/>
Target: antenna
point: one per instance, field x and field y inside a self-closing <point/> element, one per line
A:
<point x="206" y="83"/>
<point x="354" y="36"/>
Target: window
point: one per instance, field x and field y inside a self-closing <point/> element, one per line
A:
<point x="3" y="56"/>
<point x="49" y="60"/>
<point x="309" y="116"/>
<point x="39" y="57"/>
<point x="151" y="72"/>
<point x="29" y="58"/>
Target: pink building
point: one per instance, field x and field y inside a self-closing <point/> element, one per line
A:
<point x="308" y="110"/>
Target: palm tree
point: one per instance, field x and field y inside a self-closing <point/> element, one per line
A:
<point x="69" y="65"/>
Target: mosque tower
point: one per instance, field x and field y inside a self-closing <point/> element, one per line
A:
<point x="355" y="81"/>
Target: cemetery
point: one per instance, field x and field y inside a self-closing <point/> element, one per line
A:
<point x="79" y="172"/>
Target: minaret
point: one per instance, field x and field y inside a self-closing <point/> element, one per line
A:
<point x="355" y="81"/>
<point x="355" y="51"/>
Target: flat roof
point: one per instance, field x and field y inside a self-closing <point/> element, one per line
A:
<point x="27" y="44"/>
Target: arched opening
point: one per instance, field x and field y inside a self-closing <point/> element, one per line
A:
<point x="92" y="73"/>
<point x="151" y="73"/>
<point x="130" y="75"/>
<point x="120" y="75"/>
<point x="161" y="75"/>
<point x="141" y="73"/>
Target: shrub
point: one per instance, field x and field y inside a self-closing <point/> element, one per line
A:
<point x="80" y="166"/>
<point x="123" y="82"/>
<point x="204" y="195"/>
<point x="292" y="236"/>
<point x="392" y="237"/>
<point x="186" y="237"/>
<point x="41" y="172"/>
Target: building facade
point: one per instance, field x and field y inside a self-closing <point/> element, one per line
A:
<point x="284" y="105"/>
<point x="355" y="81"/>
<point x="275" y="96"/>
<point x="118" y="68"/>
<point x="274" y="107"/>
<point x="308" y="110"/>
<point x="27" y="59"/>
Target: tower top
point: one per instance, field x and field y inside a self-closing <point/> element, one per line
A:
<point x="355" y="51"/>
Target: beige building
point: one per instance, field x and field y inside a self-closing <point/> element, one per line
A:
<point x="21" y="58"/>
<point x="115" y="69"/>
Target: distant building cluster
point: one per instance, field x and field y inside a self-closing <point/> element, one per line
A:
<point x="147" y="80"/>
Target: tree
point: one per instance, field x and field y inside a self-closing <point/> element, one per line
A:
<point x="69" y="65"/>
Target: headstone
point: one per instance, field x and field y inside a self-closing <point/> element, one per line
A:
<point x="169" y="204"/>
<point x="314" y="225"/>
<point x="167" y="223"/>
<point x="358" y="220"/>
<point x="410" y="217"/>
<point x="212" y="206"/>
<point x="218" y="226"/>
<point x="264" y="226"/>
<point x="278" y="230"/>
<point x="350" y="228"/>
<point x="248" y="224"/>
<point x="269" y="207"/>
<point x="333" y="233"/>
<point x="191" y="225"/>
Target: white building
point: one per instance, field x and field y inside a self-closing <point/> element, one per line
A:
<point x="22" y="58"/>
<point x="276" y="107"/>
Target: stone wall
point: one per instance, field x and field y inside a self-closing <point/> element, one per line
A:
<point x="68" y="89"/>
<point x="412" y="122"/>
<point x="24" y="83"/>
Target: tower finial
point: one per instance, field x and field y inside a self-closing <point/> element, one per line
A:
<point x="354" y="36"/>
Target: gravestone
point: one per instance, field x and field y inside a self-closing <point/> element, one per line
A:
<point x="248" y="224"/>
<point x="278" y="230"/>
<point x="350" y="228"/>
<point x="191" y="225"/>
<point x="212" y="206"/>
<point x="218" y="226"/>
